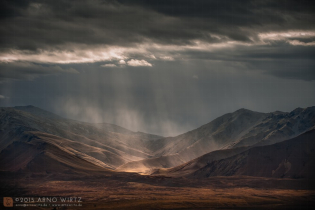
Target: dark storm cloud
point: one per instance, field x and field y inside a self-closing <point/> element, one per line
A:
<point x="279" y="59"/>
<point x="9" y="9"/>
<point x="34" y="25"/>
<point x="245" y="31"/>
<point x="208" y="8"/>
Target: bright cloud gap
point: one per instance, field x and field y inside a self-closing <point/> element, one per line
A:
<point x="141" y="54"/>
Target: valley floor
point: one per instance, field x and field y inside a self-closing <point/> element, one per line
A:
<point x="149" y="192"/>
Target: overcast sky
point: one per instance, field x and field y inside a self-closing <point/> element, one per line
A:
<point x="158" y="66"/>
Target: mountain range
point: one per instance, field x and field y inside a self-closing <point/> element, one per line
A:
<point x="276" y="144"/>
<point x="242" y="128"/>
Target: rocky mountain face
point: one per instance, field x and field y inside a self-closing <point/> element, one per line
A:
<point x="279" y="126"/>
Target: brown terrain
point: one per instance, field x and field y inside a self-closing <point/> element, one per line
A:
<point x="150" y="192"/>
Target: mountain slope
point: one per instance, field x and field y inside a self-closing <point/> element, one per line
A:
<point x="294" y="158"/>
<point x="39" y="154"/>
<point x="37" y="112"/>
<point x="212" y="136"/>
<point x="195" y="164"/>
<point x="279" y="126"/>
<point x="118" y="145"/>
<point x="237" y="129"/>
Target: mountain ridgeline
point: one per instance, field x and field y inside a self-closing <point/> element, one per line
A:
<point x="31" y="136"/>
<point x="243" y="128"/>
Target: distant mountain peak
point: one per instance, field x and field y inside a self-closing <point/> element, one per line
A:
<point x="243" y="110"/>
<point x="311" y="108"/>
<point x="278" y="112"/>
<point x="37" y="111"/>
<point x="27" y="107"/>
<point x="299" y="109"/>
